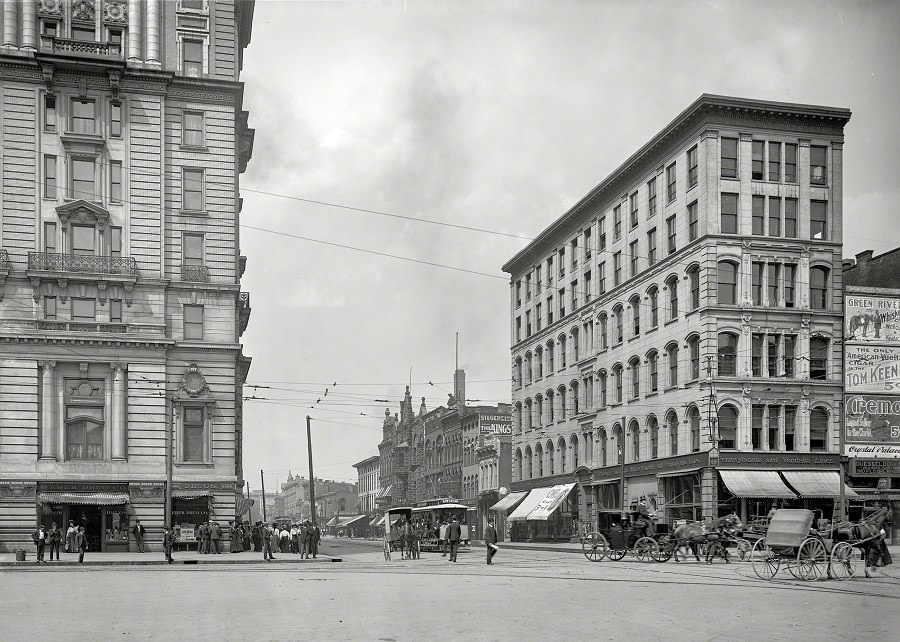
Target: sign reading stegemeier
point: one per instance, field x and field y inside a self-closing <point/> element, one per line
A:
<point x="872" y="368"/>
<point x="495" y="424"/>
<point x="872" y="319"/>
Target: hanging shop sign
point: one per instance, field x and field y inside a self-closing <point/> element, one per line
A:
<point x="875" y="467"/>
<point x="872" y="368"/>
<point x="872" y="319"/>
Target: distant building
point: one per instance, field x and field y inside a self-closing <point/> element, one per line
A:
<point x="369" y="484"/>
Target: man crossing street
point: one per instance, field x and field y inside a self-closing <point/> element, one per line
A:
<point x="454" y="535"/>
<point x="490" y="540"/>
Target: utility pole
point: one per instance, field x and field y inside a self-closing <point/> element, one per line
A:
<point x="312" y="479"/>
<point x="262" y="483"/>
<point x="622" y="468"/>
<point x="170" y="409"/>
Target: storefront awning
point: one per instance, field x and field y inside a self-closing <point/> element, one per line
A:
<point x="333" y="521"/>
<point x="817" y="483"/>
<point x="95" y="499"/>
<point x="191" y="494"/>
<point x="756" y="483"/>
<point x="874" y="494"/>
<point x="376" y="520"/>
<point x="385" y="492"/>
<point x="529" y="503"/>
<point x="509" y="502"/>
<point x="551" y="502"/>
<point x="680" y="473"/>
<point x="350" y="520"/>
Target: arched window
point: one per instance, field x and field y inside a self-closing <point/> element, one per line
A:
<point x="672" y="286"/>
<point x="602" y="381"/>
<point x="694" y="423"/>
<point x="635" y="303"/>
<point x="529" y="419"/>
<point x="573" y="444"/>
<point x="635" y="366"/>
<point x="694" y="355"/>
<point x="519" y="380"/>
<point x="602" y="447"/>
<point x="529" y="462"/>
<point x="818" y="430"/>
<point x="561" y="451"/>
<point x="575" y="345"/>
<point x="551" y="470"/>
<point x="653" y="296"/>
<point x="727" y="354"/>
<point x="727" y="283"/>
<point x="574" y="388"/>
<point x="539" y="411"/>
<point x="517" y="418"/>
<point x="539" y="355"/>
<point x="617" y="378"/>
<point x="550" y="357"/>
<point x="561" y="395"/>
<point x="620" y="444"/>
<point x="619" y="312"/>
<point x="694" y="282"/>
<point x="728" y="421"/>
<point x="604" y="322"/>
<point x="550" y="409"/>
<point x="818" y="288"/>
<point x="528" y="370"/>
<point x="672" y="358"/>
<point x="672" y="428"/>
<point x="539" y="459"/>
<point x="653" y="429"/>
<point x="635" y="432"/>
<point x="562" y="350"/>
<point x="653" y="370"/>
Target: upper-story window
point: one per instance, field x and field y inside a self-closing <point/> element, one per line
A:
<point x="192" y="190"/>
<point x="818" y="220"/>
<point x="601" y="234"/>
<point x="693" y="222"/>
<point x="672" y="285"/>
<point x="818" y="165"/>
<point x="727" y="283"/>
<point x="635" y="304"/>
<point x="83" y="116"/>
<point x="653" y="295"/>
<point x="633" y="247"/>
<point x="818" y="288"/>
<point x="617" y="222"/>
<point x="192" y="251"/>
<point x="619" y="312"/>
<point x="633" y="209"/>
<point x="670" y="183"/>
<point x="192" y="129"/>
<point x="729" y="157"/>
<point x="758" y="150"/>
<point x="50" y="113"/>
<point x="193" y="322"/>
<point x="83" y="238"/>
<point x="727" y="353"/>
<point x="192" y="53"/>
<point x="651" y="197"/>
<point x="83" y="33"/>
<point x="192" y="5"/>
<point x="671" y="241"/>
<point x="694" y="280"/>
<point x="774" y="161"/>
<point x="790" y="162"/>
<point x="82" y="178"/>
<point x="729" y="221"/>
<point x="693" y="166"/>
<point x="115" y="119"/>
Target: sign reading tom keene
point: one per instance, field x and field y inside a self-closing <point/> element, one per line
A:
<point x="872" y="368"/>
<point x="495" y="424"/>
<point x="872" y="318"/>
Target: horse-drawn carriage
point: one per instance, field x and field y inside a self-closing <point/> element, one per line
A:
<point x="393" y="530"/>
<point x="633" y="536"/>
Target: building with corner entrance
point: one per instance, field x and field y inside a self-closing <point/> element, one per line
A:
<point x="676" y="334"/>
<point x="121" y="367"/>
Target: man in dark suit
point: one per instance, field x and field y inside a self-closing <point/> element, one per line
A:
<point x="315" y="538"/>
<point x="168" y="542"/>
<point x="215" y="534"/>
<point x="54" y="537"/>
<point x="204" y="537"/>
<point x="304" y="540"/>
<point x="40" y="540"/>
<point x="80" y="543"/>
<point x="454" y="535"/>
<point x="490" y="540"/>
<point x="138" y="531"/>
<point x="267" y="533"/>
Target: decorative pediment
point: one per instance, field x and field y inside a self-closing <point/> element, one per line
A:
<point x="83" y="11"/>
<point x="193" y="386"/>
<point x="115" y="12"/>
<point x="82" y="212"/>
<point x="50" y="9"/>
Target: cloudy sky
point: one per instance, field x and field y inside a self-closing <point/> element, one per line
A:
<point x="495" y="116"/>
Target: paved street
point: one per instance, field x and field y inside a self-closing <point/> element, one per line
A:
<point x="527" y="595"/>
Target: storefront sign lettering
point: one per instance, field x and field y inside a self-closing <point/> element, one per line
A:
<point x="872" y="368"/>
<point x="875" y="467"/>
<point x="727" y="461"/>
<point x="872" y="419"/>
<point x="875" y="450"/>
<point x="495" y="424"/>
<point x="872" y="318"/>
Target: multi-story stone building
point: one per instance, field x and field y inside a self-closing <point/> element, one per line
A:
<point x="123" y="137"/>
<point x="687" y="313"/>
<point x="368" y="484"/>
<point x="293" y="498"/>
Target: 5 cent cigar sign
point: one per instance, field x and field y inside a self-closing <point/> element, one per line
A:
<point x="873" y="369"/>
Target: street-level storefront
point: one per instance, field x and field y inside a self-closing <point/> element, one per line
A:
<point x="500" y="509"/>
<point x="547" y="513"/>
<point x="877" y="483"/>
<point x="102" y="508"/>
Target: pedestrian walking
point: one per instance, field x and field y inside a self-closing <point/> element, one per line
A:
<point x="442" y="527"/>
<point x="80" y="543"/>
<point x="315" y="538"/>
<point x="304" y="540"/>
<point x="40" y="541"/>
<point x="54" y="537"/>
<point x="295" y="539"/>
<point x="139" y="531"/>
<point x="268" y="532"/>
<point x="70" y="537"/>
<point x="490" y="540"/>
<point x="237" y="541"/>
<point x="215" y="534"/>
<point x="454" y="535"/>
<point x="257" y="536"/>
<point x="204" y="537"/>
<point x="168" y="542"/>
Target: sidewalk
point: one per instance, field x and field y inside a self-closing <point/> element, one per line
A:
<point x="156" y="558"/>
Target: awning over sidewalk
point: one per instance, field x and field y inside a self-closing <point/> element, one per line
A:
<point x="509" y="502"/>
<point x="529" y="503"/>
<point x="385" y="492"/>
<point x="95" y="499"/>
<point x="191" y="494"/>
<point x="552" y="500"/>
<point x="756" y="483"/>
<point x="817" y="483"/>
<point x="350" y="520"/>
<point x="376" y="520"/>
<point x="333" y="521"/>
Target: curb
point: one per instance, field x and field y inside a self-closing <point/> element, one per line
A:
<point x="176" y="562"/>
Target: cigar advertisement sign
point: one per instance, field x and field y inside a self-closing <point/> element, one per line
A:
<point x="874" y="319"/>
<point x="874" y="369"/>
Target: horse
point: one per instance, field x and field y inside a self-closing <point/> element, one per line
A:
<point x="695" y="533"/>
<point x="873" y="546"/>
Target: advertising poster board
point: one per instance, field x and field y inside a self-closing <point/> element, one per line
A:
<point x="872" y="319"/>
<point x="495" y="424"/>
<point x="872" y="369"/>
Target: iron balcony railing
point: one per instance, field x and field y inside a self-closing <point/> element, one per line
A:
<point x="197" y="273"/>
<point x="82" y="263"/>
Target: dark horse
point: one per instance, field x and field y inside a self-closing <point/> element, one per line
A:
<point x="870" y="533"/>
<point x="696" y="533"/>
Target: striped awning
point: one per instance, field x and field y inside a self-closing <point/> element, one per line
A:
<point x="385" y="492"/>
<point x="191" y="494"/>
<point x="817" y="483"/>
<point x="333" y="521"/>
<point x="509" y="502"/>
<point x="756" y="483"/>
<point x="346" y="521"/>
<point x="95" y="499"/>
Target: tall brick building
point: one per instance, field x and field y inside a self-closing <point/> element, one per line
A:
<point x="123" y="137"/>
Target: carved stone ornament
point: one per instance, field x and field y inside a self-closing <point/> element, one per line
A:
<point x="193" y="384"/>
<point x="83" y="10"/>
<point x="147" y="492"/>
<point x="804" y="321"/>
<point x="15" y="491"/>
<point x="115" y="12"/>
<point x="745" y="317"/>
<point x="51" y="8"/>
<point x="805" y="391"/>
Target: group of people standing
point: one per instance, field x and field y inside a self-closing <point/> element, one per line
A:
<point x="302" y="538"/>
<point x="76" y="541"/>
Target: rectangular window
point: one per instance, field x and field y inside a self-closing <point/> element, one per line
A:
<point x="193" y="322"/>
<point x="587" y="244"/>
<point x="774" y="216"/>
<point x="50" y="113"/>
<point x="81" y="183"/>
<point x="775" y="162"/>
<point x="562" y="262"/>
<point x="693" y="222"/>
<point x="83" y="237"/>
<point x="790" y="218"/>
<point x="729" y="213"/>
<point x="549" y="270"/>
<point x="537" y="317"/>
<point x="115" y="310"/>
<point x="573" y="291"/>
<point x="818" y="221"/>
<point x="83" y="116"/>
<point x="772" y="279"/>
<point x="617" y="269"/>
<point x="651" y="197"/>
<point x="192" y="129"/>
<point x="115" y="242"/>
<point x="192" y="190"/>
<point x="519" y="293"/>
<point x="601" y="278"/>
<point x="774" y="415"/>
<point x="818" y="165"/>
<point x="790" y="163"/>
<point x="790" y="426"/>
<point x="756" y="271"/>
<point x="561" y="295"/>
<point x="115" y="119"/>
<point x="601" y="233"/>
<point x="759" y="215"/>
<point x="115" y="181"/>
<point x="693" y="169"/>
<point x="651" y="247"/>
<point x="528" y="287"/>
<point x="758" y="149"/>
<point x="49" y="176"/>
<point x="518" y="328"/>
<point x="115" y="38"/>
<point x="617" y="222"/>
<point x="757" y="413"/>
<point x="83" y="34"/>
<point x="670" y="234"/>
<point x="756" y="347"/>
<point x="670" y="183"/>
<point x="634" y="258"/>
<point x="84" y="309"/>
<point x="574" y="252"/>
<point x="50" y="238"/>
<point x="818" y="359"/>
<point x="772" y="354"/>
<point x="193" y="444"/>
<point x="790" y="274"/>
<point x="587" y="287"/>
<point x="528" y="323"/>
<point x="49" y="307"/>
<point x="537" y="278"/>
<point x="634" y="210"/>
<point x="549" y="310"/>
<point x="192" y="58"/>
<point x="48" y="28"/>
<point x="788" y="355"/>
<point x="729" y="157"/>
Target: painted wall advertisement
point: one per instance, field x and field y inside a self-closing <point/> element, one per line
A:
<point x="872" y="426"/>
<point x="872" y="369"/>
<point x="872" y="318"/>
<point x="495" y="424"/>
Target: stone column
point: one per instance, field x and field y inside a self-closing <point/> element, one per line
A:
<point x="153" y="31"/>
<point x="29" y="24"/>
<point x="118" y="434"/>
<point x="48" y="411"/>
<point x="10" y="25"/>
<point x="135" y="34"/>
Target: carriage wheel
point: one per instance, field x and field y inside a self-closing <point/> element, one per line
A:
<point x="844" y="559"/>
<point x="743" y="547"/>
<point x="765" y="562"/>
<point x="646" y="549"/>
<point x="387" y="551"/>
<point x="812" y="559"/>
<point x="616" y="554"/>
<point x="594" y="546"/>
<point x="666" y="548"/>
